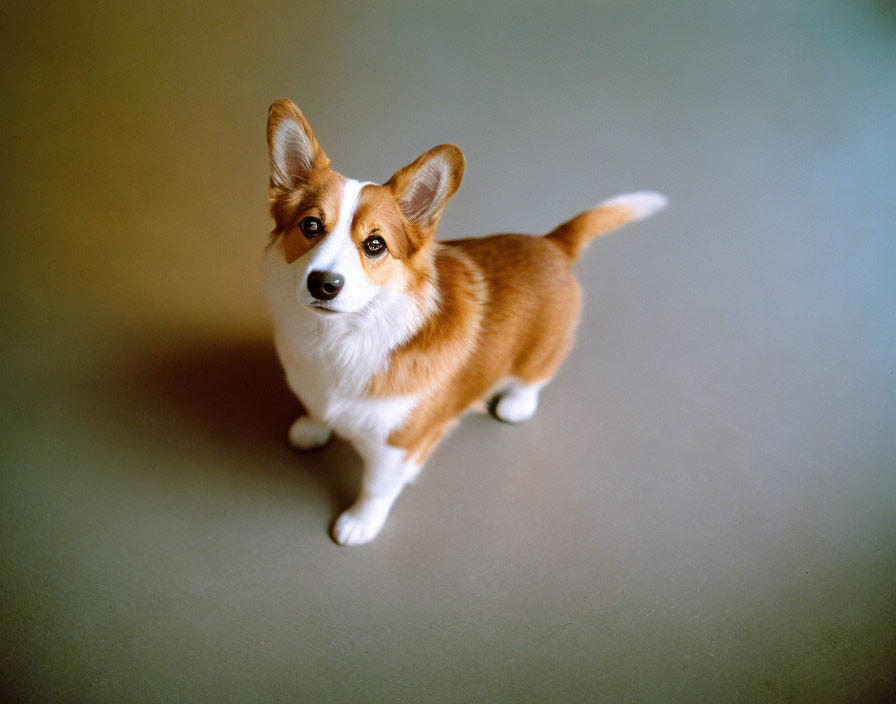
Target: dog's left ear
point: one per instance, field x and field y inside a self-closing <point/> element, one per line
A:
<point x="423" y="187"/>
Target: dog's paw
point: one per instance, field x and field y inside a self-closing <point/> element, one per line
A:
<point x="517" y="405"/>
<point x="356" y="529"/>
<point x="307" y="434"/>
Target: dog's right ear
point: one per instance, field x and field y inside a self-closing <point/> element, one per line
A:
<point x="292" y="147"/>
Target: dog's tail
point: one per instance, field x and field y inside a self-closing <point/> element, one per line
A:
<point x="573" y="235"/>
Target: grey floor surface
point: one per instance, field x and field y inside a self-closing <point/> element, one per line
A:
<point x="703" y="508"/>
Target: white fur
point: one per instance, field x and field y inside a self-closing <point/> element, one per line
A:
<point x="338" y="253"/>
<point x="642" y="204"/>
<point x="308" y="434"/>
<point x="330" y="359"/>
<point x="519" y="401"/>
<point x="386" y="472"/>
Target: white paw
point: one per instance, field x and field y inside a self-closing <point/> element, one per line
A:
<point x="307" y="434"/>
<point x="357" y="529"/>
<point x="517" y="405"/>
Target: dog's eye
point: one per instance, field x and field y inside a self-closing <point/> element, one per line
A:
<point x="374" y="246"/>
<point x="311" y="227"/>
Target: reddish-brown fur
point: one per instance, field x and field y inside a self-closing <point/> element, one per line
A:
<point x="509" y="308"/>
<point x="501" y="306"/>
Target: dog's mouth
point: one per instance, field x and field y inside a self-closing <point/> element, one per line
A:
<point x="323" y="308"/>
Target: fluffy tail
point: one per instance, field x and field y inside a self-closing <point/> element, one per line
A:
<point x="573" y="235"/>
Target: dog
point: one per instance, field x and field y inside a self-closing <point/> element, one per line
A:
<point x="388" y="336"/>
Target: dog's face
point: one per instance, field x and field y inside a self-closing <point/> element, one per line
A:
<point x="346" y="242"/>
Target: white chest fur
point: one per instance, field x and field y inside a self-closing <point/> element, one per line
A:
<point x="330" y="361"/>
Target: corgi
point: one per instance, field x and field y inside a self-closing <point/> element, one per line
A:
<point x="388" y="336"/>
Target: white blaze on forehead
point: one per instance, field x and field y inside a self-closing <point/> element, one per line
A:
<point x="339" y="253"/>
<point x="331" y="250"/>
<point x="351" y="194"/>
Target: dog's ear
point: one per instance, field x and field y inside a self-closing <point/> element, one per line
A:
<point x="292" y="147"/>
<point x="423" y="187"/>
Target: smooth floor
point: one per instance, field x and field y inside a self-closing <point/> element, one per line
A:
<point x="701" y="511"/>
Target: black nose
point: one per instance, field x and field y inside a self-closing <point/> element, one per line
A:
<point x="325" y="285"/>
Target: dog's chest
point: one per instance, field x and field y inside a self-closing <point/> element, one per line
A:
<point x="329" y="364"/>
<point x="331" y="370"/>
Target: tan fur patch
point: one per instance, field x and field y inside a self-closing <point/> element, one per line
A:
<point x="508" y="306"/>
<point x="378" y="214"/>
<point x="307" y="190"/>
<point x="319" y="198"/>
<point x="573" y="235"/>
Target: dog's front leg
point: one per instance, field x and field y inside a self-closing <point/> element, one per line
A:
<point x="306" y="433"/>
<point x="386" y="471"/>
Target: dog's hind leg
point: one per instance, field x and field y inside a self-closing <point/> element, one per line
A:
<point x="519" y="402"/>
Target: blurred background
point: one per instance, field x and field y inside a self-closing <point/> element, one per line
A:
<point x="701" y="511"/>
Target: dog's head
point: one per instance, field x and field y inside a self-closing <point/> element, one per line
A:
<point x="347" y="242"/>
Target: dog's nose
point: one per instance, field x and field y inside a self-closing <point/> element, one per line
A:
<point x="325" y="285"/>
